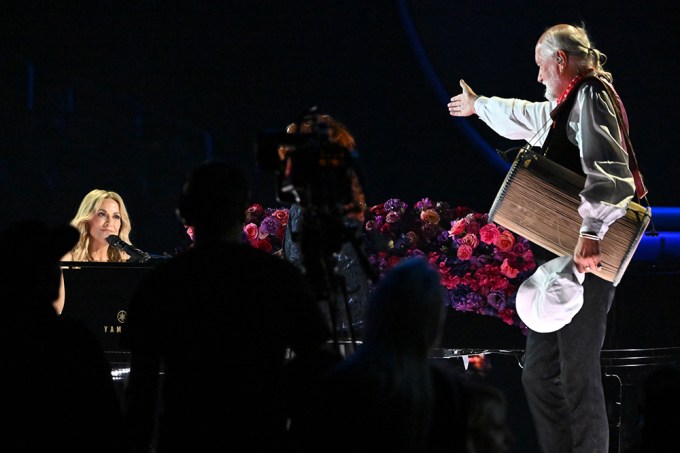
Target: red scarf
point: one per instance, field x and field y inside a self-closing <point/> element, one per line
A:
<point x="577" y="78"/>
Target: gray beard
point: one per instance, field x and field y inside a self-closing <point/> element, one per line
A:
<point x="549" y="96"/>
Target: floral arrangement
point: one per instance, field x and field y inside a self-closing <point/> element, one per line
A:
<point x="265" y="228"/>
<point x="481" y="263"/>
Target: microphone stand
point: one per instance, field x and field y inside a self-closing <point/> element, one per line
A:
<point x="136" y="255"/>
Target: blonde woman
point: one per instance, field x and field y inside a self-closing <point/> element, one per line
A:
<point x="101" y="214"/>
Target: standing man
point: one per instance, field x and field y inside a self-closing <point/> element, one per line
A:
<point x="577" y="127"/>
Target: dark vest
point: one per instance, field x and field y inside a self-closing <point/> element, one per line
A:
<point x="557" y="146"/>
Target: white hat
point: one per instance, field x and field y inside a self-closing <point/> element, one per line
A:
<point x="549" y="299"/>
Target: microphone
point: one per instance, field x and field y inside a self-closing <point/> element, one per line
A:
<point x="134" y="252"/>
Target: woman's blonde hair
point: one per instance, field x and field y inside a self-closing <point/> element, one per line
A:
<point x="91" y="203"/>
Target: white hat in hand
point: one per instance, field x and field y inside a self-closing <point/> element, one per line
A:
<point x="549" y="299"/>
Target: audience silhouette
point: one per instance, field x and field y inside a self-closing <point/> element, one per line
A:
<point x="58" y="391"/>
<point x="211" y="331"/>
<point x="390" y="395"/>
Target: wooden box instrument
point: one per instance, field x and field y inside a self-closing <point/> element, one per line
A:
<point x="539" y="200"/>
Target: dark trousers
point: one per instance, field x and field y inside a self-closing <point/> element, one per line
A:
<point x="562" y="377"/>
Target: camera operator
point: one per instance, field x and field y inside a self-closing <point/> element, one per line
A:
<point x="326" y="217"/>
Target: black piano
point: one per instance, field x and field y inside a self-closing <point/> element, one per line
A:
<point x="98" y="294"/>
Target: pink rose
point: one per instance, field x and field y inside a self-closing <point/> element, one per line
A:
<point x="457" y="227"/>
<point x="254" y="213"/>
<point x="282" y="216"/>
<point x="443" y="268"/>
<point x="464" y="252"/>
<point x="251" y="232"/>
<point x="471" y="240"/>
<point x="430" y="216"/>
<point x="508" y="270"/>
<point x="505" y="242"/>
<point x="489" y="233"/>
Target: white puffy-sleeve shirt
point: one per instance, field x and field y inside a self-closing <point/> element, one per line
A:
<point x="592" y="126"/>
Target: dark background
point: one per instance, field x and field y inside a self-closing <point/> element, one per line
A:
<point x="128" y="96"/>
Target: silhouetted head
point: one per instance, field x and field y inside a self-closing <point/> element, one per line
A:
<point x="406" y="309"/>
<point x="30" y="266"/>
<point x="214" y="198"/>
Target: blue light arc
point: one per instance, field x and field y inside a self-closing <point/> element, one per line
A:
<point x="472" y="134"/>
